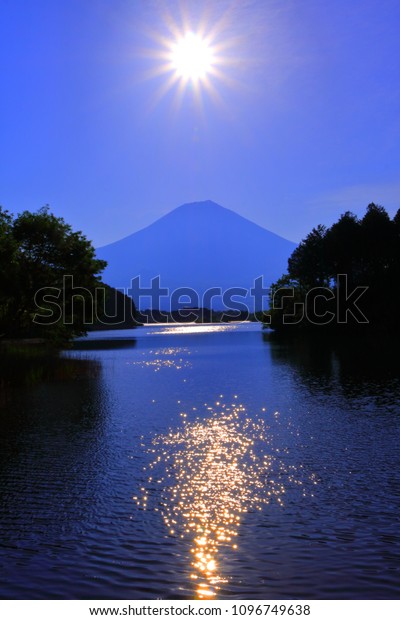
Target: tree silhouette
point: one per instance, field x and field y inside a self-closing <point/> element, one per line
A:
<point x="39" y="255"/>
<point x="362" y="254"/>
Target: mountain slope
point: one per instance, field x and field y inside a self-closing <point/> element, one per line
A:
<point x="198" y="245"/>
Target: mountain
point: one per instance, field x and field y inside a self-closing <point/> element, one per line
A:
<point x="198" y="245"/>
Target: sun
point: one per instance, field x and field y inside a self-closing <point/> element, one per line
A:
<point x="192" y="57"/>
<point x="191" y="62"/>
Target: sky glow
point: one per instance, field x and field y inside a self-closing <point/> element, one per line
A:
<point x="288" y="115"/>
<point x="192" y="57"/>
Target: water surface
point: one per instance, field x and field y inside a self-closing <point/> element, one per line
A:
<point x="204" y="461"/>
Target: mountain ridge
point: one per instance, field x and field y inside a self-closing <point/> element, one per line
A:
<point x="198" y="245"/>
<point x="186" y="207"/>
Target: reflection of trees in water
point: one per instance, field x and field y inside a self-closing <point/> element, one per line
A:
<point x="356" y="366"/>
<point x="44" y="387"/>
<point x="51" y="436"/>
<point x="25" y="366"/>
<point x="52" y="410"/>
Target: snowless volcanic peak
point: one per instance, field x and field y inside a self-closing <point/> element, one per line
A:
<point x="197" y="245"/>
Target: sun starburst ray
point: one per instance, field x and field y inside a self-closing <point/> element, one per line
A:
<point x="193" y="58"/>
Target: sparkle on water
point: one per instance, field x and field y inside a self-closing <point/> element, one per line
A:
<point x="211" y="471"/>
<point x="201" y="328"/>
<point x="164" y="358"/>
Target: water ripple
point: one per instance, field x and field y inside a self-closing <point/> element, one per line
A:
<point x="209" y="473"/>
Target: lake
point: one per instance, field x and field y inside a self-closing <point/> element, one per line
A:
<point x="203" y="461"/>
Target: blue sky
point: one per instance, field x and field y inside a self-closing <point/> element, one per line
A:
<point x="302" y="120"/>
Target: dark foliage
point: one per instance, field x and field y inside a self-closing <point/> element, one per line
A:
<point x="48" y="277"/>
<point x="115" y="310"/>
<point x="343" y="276"/>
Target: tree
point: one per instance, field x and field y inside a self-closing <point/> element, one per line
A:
<point x="343" y="247"/>
<point x="49" y="275"/>
<point x="380" y="264"/>
<point x="308" y="262"/>
<point x="366" y="252"/>
<point x="287" y="297"/>
<point x="116" y="310"/>
<point x="8" y="268"/>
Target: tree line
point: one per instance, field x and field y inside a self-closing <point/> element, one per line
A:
<point x="344" y="275"/>
<point x="50" y="280"/>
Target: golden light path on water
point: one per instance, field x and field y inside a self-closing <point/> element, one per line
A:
<point x="200" y="328"/>
<point x="211" y="475"/>
<point x="168" y="357"/>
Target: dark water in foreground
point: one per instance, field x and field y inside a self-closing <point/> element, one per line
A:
<point x="204" y="462"/>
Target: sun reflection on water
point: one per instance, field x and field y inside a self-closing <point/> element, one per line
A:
<point x="197" y="328"/>
<point x="171" y="357"/>
<point x="215" y="469"/>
